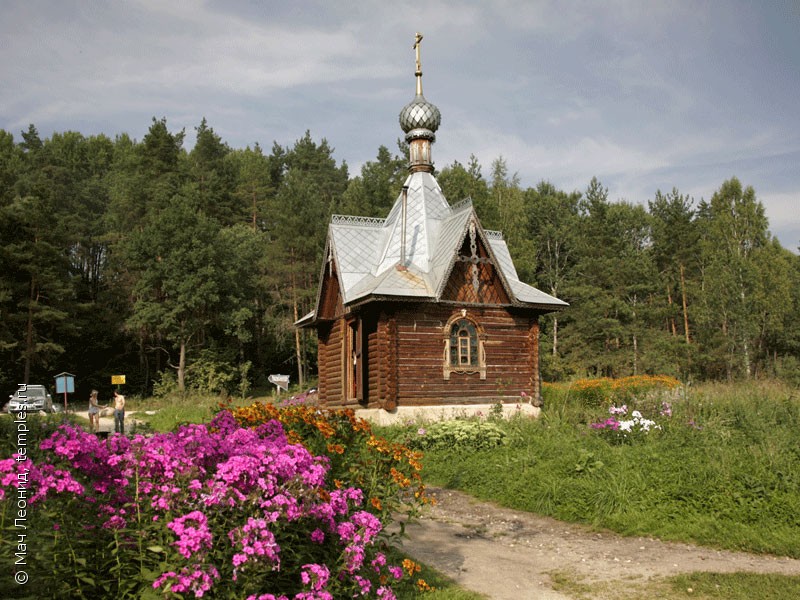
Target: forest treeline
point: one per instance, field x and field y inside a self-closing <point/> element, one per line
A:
<point x="185" y="269"/>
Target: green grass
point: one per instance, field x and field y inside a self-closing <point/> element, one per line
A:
<point x="695" y="586"/>
<point x="174" y="410"/>
<point x="442" y="587"/>
<point x="735" y="586"/>
<point x="724" y="471"/>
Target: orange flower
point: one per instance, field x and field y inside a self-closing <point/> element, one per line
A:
<point x="335" y="449"/>
<point x="399" y="478"/>
<point x="411" y="567"/>
<point x="376" y="503"/>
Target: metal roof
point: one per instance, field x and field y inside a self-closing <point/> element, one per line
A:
<point x="367" y="251"/>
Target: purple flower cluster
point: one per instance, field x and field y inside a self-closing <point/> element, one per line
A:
<point x="236" y="505"/>
<point x="610" y="423"/>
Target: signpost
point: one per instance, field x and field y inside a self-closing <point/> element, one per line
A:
<point x="281" y="382"/>
<point x="65" y="384"/>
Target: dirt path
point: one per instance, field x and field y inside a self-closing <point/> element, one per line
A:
<point x="507" y="554"/>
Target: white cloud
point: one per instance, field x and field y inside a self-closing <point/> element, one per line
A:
<point x="643" y="95"/>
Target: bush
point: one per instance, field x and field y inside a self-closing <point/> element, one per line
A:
<point x="217" y="509"/>
<point x="458" y="435"/>
<point x="387" y="472"/>
<point x="36" y="428"/>
<point x="637" y="391"/>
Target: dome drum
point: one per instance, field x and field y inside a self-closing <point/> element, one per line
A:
<point x="420" y="134"/>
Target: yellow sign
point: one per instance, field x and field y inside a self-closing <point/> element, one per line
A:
<point x="117" y="379"/>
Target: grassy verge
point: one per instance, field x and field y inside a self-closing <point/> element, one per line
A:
<point x="164" y="414"/>
<point x="697" y="586"/>
<point x="723" y="470"/>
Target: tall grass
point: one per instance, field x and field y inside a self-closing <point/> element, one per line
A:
<point x="723" y="470"/>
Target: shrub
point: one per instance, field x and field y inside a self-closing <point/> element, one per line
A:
<point x="636" y="390"/>
<point x="387" y="472"/>
<point x="459" y="435"/>
<point x="215" y="509"/>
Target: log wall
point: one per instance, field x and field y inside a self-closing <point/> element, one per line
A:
<point x="404" y="344"/>
<point x="510" y="366"/>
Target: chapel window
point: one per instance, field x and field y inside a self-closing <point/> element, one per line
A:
<point x="464" y="351"/>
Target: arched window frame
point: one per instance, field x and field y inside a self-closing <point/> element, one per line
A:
<point x="451" y="365"/>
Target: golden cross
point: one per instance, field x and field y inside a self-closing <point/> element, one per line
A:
<point x="417" y="40"/>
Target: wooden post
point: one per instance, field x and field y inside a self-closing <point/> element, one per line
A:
<point x="536" y="388"/>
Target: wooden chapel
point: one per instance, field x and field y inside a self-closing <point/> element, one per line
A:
<point x="425" y="306"/>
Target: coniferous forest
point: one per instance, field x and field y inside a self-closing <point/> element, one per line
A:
<point x="185" y="269"/>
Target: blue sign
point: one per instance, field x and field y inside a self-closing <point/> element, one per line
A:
<point x="65" y="383"/>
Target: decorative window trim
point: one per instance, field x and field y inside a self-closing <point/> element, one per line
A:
<point x="447" y="365"/>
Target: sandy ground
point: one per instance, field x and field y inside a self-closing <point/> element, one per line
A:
<point x="107" y="419"/>
<point x="508" y="555"/>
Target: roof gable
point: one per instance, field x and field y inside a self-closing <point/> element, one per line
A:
<point x="473" y="277"/>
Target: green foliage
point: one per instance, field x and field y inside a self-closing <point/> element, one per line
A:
<point x="459" y="435"/>
<point x="176" y="409"/>
<point x="137" y="257"/>
<point x="166" y="384"/>
<point x="211" y="376"/>
<point x="722" y="471"/>
<point x="34" y="429"/>
<point x="735" y="586"/>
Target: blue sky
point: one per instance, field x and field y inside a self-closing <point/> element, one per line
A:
<point x="643" y="95"/>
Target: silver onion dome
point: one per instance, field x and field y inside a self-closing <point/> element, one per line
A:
<point x="420" y="114"/>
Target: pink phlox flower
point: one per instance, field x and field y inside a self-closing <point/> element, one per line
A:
<point x="340" y="500"/>
<point x="46" y="478"/>
<point x="346" y="531"/>
<point x="237" y="471"/>
<point x="386" y="593"/>
<point x="378" y="562"/>
<point x="355" y="557"/>
<point x="397" y="572"/>
<point x="288" y="506"/>
<point x="363" y="583"/>
<point x="193" y="579"/>
<point x="115" y="522"/>
<point x="369" y="523"/>
<point x="193" y="533"/>
<point x="317" y="536"/>
<point x="322" y="595"/>
<point x="354" y="495"/>
<point x="315" y="575"/>
<point x="314" y="473"/>
<point x="255" y="540"/>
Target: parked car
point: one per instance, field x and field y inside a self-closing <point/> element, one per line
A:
<point x="30" y="398"/>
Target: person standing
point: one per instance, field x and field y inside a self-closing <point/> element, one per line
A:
<point x="94" y="413"/>
<point x="119" y="413"/>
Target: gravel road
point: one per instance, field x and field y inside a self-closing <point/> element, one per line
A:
<point x="509" y="555"/>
